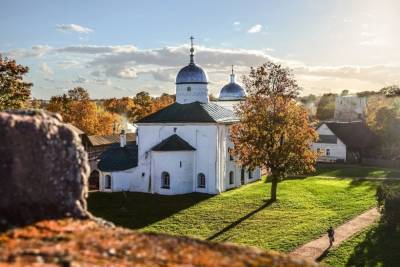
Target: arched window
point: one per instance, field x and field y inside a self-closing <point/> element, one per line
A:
<point x="201" y="180"/>
<point x="231" y="178"/>
<point x="165" y="180"/>
<point x="250" y="174"/>
<point x="94" y="180"/>
<point x="230" y="154"/>
<point x="107" y="182"/>
<point x="242" y="176"/>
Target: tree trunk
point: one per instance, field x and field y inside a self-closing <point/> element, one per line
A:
<point x="274" y="187"/>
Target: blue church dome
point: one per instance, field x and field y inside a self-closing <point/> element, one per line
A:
<point x="232" y="91"/>
<point x="191" y="74"/>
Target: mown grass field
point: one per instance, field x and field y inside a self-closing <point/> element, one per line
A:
<point x="371" y="247"/>
<point x="305" y="209"/>
<point x="356" y="171"/>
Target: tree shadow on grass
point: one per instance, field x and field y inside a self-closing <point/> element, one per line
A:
<point x="136" y="210"/>
<point x="294" y="177"/>
<point x="381" y="247"/>
<point x="240" y="220"/>
<point x="355" y="182"/>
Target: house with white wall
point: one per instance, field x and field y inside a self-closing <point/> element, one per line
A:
<point x="182" y="148"/>
<point x="344" y="141"/>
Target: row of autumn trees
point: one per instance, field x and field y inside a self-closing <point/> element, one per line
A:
<point x="102" y="117"/>
<point x="76" y="106"/>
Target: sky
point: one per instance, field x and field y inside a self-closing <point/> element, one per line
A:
<point x="119" y="48"/>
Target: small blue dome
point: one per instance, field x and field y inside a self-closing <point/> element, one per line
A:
<point x="232" y="91"/>
<point x="191" y="74"/>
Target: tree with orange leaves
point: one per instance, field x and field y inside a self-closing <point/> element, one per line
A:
<point x="76" y="108"/>
<point x="274" y="130"/>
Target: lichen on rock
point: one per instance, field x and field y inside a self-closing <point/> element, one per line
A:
<point x="71" y="242"/>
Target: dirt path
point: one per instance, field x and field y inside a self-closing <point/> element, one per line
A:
<point x="319" y="248"/>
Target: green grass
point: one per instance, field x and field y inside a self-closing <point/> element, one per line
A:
<point x="371" y="247"/>
<point x="306" y="207"/>
<point x="356" y="171"/>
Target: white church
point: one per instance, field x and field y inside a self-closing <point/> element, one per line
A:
<point x="182" y="148"/>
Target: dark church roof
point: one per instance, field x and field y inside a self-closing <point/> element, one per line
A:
<point x="353" y="134"/>
<point x="173" y="143"/>
<point x="105" y="140"/>
<point x="117" y="158"/>
<point x="192" y="112"/>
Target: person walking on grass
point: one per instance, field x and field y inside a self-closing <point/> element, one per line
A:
<point x="331" y="235"/>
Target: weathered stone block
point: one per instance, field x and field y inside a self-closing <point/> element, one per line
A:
<point x="43" y="169"/>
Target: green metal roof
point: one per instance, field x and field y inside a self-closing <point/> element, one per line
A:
<point x="117" y="158"/>
<point x="173" y="143"/>
<point x="192" y="112"/>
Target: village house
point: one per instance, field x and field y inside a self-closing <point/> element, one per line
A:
<point x="182" y="148"/>
<point x="344" y="141"/>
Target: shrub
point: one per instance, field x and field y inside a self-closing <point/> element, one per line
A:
<point x="388" y="198"/>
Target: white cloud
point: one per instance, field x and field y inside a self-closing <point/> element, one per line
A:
<point x="367" y="34"/>
<point x="73" y="28"/>
<point x="45" y="69"/>
<point x="375" y="42"/>
<point x="159" y="66"/>
<point x="34" y="51"/>
<point x="94" y="49"/>
<point x="80" y="79"/>
<point x="237" y="26"/>
<point x="163" y="75"/>
<point x="126" y="73"/>
<point x="255" y="29"/>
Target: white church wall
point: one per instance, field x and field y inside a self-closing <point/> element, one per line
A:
<point x="232" y="166"/>
<point x="336" y="151"/>
<point x="179" y="166"/>
<point x="189" y="93"/>
<point x="120" y="180"/>
<point x="200" y="136"/>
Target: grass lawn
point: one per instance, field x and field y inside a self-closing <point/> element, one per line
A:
<point x="305" y="209"/>
<point x="372" y="247"/>
<point x="356" y="171"/>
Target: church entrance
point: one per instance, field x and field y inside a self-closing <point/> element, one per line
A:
<point x="242" y="176"/>
<point x="94" y="180"/>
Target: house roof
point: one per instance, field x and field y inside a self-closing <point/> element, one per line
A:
<point x="327" y="139"/>
<point x="192" y="112"/>
<point x="103" y="140"/>
<point x="353" y="134"/>
<point x="117" y="158"/>
<point x="75" y="129"/>
<point x="173" y="143"/>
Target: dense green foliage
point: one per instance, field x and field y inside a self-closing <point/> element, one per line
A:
<point x="306" y="207"/>
<point x="326" y="107"/>
<point x="388" y="197"/>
